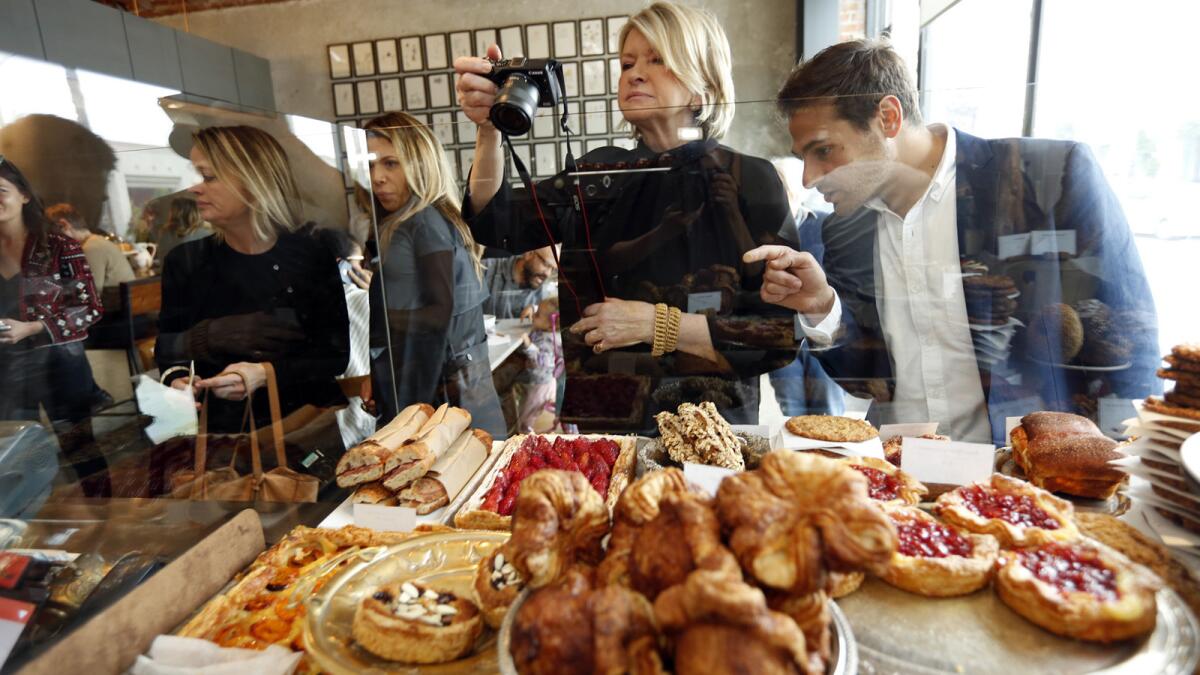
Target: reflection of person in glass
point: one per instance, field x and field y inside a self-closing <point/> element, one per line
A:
<point x="183" y="224"/>
<point x="47" y="304"/>
<point x="661" y="226"/>
<point x="262" y="289"/>
<point x="430" y="281"/>
<point x="930" y="284"/>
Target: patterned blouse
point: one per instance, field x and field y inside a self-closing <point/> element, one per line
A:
<point x="57" y="289"/>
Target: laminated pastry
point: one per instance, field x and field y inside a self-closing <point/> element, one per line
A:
<point x="374" y="493"/>
<point x="1013" y="511"/>
<point x="637" y="506"/>
<point x="417" y="456"/>
<point x="497" y="584"/>
<point x="720" y="624"/>
<point x="831" y="428"/>
<point x="842" y="584"/>
<point x="370" y="460"/>
<point x="571" y="627"/>
<point x="559" y="522"/>
<point x="935" y="559"/>
<point x="414" y="624"/>
<point x="1080" y="589"/>
<point x="698" y="434"/>
<point x="886" y="483"/>
<point x="449" y="474"/>
<point x="1067" y="453"/>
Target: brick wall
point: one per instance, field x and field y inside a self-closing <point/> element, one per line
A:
<point x="852" y="19"/>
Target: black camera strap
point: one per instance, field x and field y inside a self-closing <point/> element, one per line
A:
<point x="572" y="174"/>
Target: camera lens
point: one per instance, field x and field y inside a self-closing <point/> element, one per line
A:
<point x="515" y="105"/>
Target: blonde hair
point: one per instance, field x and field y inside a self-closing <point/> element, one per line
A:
<point x="254" y="162"/>
<point x="694" y="48"/>
<point x="429" y="177"/>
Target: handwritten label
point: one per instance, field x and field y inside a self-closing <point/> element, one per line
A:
<point x="385" y="518"/>
<point x="1013" y="245"/>
<point x="913" y="429"/>
<point x="947" y="462"/>
<point x="13" y="617"/>
<point x="699" y="302"/>
<point x="1053" y="241"/>
<point x="707" y="478"/>
<point x="1112" y="413"/>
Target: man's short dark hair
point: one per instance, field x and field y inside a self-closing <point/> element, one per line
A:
<point x="854" y="76"/>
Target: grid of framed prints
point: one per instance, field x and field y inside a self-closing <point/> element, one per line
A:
<point x="415" y="74"/>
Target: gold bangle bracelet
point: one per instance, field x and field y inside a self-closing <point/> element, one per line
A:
<point x="673" y="323"/>
<point x="658" y="348"/>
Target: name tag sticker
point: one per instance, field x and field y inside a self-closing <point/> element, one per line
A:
<point x="1053" y="241"/>
<point x="707" y="478"/>
<point x="385" y="518"/>
<point x="699" y="302"/>
<point x="1013" y="245"/>
<point x="947" y="462"/>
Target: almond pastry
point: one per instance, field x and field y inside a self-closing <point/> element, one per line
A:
<point x="1081" y="589"/>
<point x="886" y="483"/>
<point x="414" y="624"/>
<point x="698" y="434"/>
<point x="1013" y="511"/>
<point x="497" y="584"/>
<point x="935" y="559"/>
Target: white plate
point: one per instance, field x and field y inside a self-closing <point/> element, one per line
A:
<point x="1190" y="452"/>
<point x="1091" y="369"/>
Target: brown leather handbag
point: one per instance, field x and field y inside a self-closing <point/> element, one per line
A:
<point x="281" y="484"/>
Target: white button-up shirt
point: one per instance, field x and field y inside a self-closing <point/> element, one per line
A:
<point x="923" y="312"/>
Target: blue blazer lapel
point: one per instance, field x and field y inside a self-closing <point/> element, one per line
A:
<point x="975" y="181"/>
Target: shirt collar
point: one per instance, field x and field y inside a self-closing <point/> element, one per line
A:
<point x="944" y="175"/>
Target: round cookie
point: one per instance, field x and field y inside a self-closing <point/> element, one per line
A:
<point x="1182" y="400"/>
<point x="1182" y="364"/>
<point x="1182" y="377"/>
<point x="832" y="428"/>
<point x="1157" y="405"/>
<point x="1187" y="351"/>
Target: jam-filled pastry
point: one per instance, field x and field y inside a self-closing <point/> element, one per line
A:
<point x="720" y="624"/>
<point x="887" y="483"/>
<point x="497" y="584"/>
<point x="414" y="624"/>
<point x="559" y="521"/>
<point x="799" y="515"/>
<point x="1081" y="589"/>
<point x="1013" y="511"/>
<point x="655" y="554"/>
<point x="842" y="584"/>
<point x="938" y="560"/>
<point x="571" y="627"/>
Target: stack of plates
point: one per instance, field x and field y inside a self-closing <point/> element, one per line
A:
<point x="993" y="344"/>
<point x="1157" y="457"/>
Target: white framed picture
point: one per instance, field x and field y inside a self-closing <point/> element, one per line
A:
<point x="615" y="24"/>
<point x="617" y="121"/>
<point x="391" y="98"/>
<point x="522" y="151"/>
<point x="466" y="157"/>
<point x="410" y="54"/>
<point x="414" y="93"/>
<point x="435" y="52"/>
<point x="573" y="119"/>
<point x="625" y="142"/>
<point x="562" y="150"/>
<point x="421" y="117"/>
<point x="543" y="125"/>
<point x="564" y="40"/>
<point x="570" y="79"/>
<point x="452" y="160"/>
<point x="537" y="38"/>
<point x="460" y="45"/>
<point x="614" y="76"/>
<point x="511" y="42"/>
<point x="443" y="127"/>
<point x="439" y="91"/>
<point x="368" y="97"/>
<point x="545" y="159"/>
<point x="466" y="128"/>
<point x="595" y="117"/>
<point x="595" y="144"/>
<point x="343" y="99"/>
<point x="385" y="51"/>
<point x="594" y="80"/>
<point x="591" y="37"/>
<point x="339" y="61"/>
<point x="484" y="39"/>
<point x="364" y="59"/>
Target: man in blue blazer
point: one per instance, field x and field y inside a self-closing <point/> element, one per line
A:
<point x="964" y="280"/>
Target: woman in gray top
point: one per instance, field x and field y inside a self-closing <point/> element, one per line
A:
<point x="432" y="348"/>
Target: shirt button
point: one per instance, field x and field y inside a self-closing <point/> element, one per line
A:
<point x="275" y="267"/>
<point x="289" y="289"/>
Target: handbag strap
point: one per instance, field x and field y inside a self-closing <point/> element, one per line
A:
<point x="276" y="416"/>
<point x="201" y="449"/>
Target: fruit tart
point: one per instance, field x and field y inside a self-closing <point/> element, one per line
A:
<point x="1081" y="589"/>
<point x="887" y="483"/>
<point x="935" y="559"/>
<point x="414" y="624"/>
<point x="1013" y="511"/>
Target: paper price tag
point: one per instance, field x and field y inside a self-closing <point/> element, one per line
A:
<point x="947" y="462"/>
<point x="698" y="302"/>
<point x="1112" y="414"/>
<point x="13" y="617"/>
<point x="1010" y="423"/>
<point x="913" y="429"/>
<point x="1053" y="241"/>
<point x="752" y="429"/>
<point x="1013" y="245"/>
<point x="385" y="518"/>
<point x="707" y="478"/>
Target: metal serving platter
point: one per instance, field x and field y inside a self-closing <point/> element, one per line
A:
<point x="899" y="632"/>
<point x="442" y="560"/>
<point x="843" y="657"/>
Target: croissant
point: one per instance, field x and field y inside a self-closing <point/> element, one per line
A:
<point x="559" y="521"/>
<point x="720" y="624"/>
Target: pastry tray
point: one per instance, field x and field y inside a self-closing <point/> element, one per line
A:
<point x="899" y="632"/>
<point x="442" y="560"/>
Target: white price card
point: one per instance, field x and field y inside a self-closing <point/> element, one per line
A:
<point x="1112" y="413"/>
<point x="706" y="478"/>
<point x="385" y="518"/>
<point x="913" y="429"/>
<point x="1053" y="241"/>
<point x="1013" y="245"/>
<point x="947" y="462"/>
<point x="13" y="617"/>
<point x="699" y="302"/>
